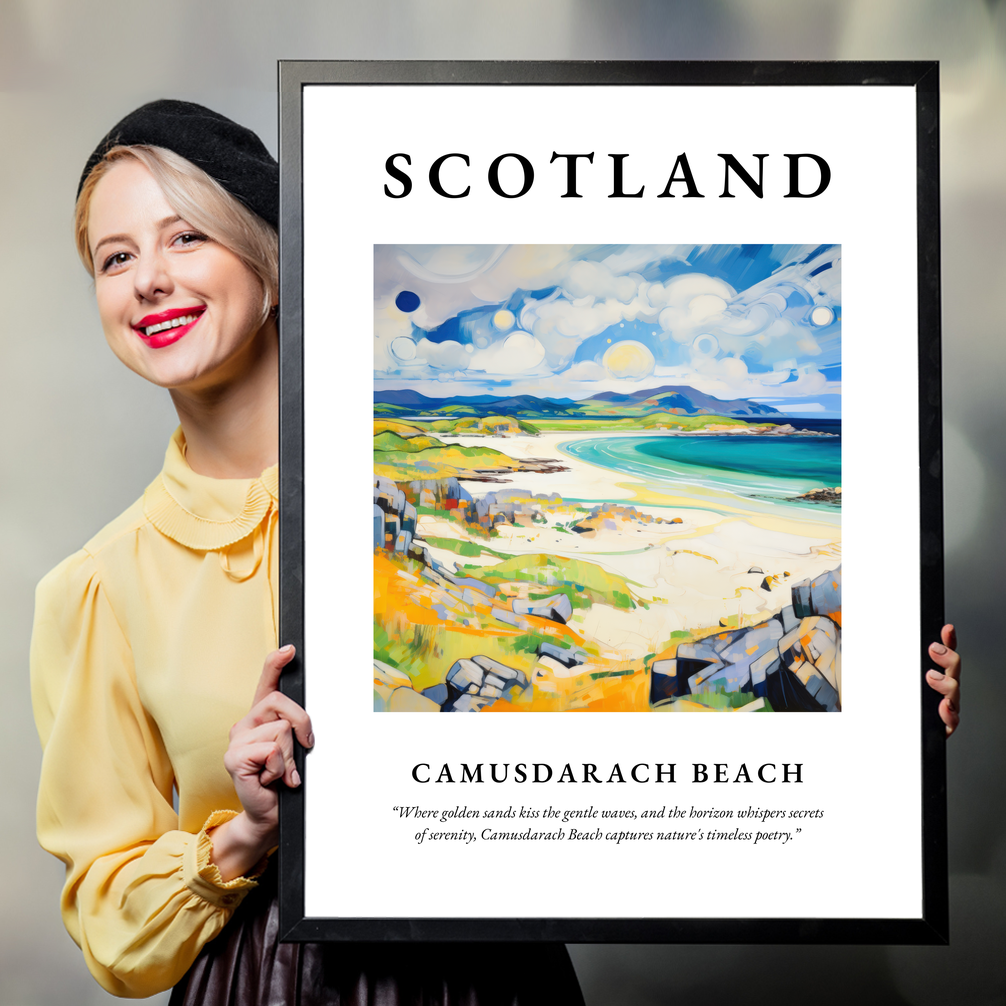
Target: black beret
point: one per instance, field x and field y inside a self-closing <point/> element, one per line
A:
<point x="230" y="154"/>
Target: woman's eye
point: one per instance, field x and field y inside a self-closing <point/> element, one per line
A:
<point x="114" y="261"/>
<point x="190" y="238"/>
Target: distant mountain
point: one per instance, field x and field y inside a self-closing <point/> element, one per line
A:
<point x="686" y="400"/>
<point x="402" y="402"/>
<point x="674" y="399"/>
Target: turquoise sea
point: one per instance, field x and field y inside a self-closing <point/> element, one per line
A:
<point x="763" y="471"/>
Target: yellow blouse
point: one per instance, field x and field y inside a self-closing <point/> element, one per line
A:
<point x="147" y="647"/>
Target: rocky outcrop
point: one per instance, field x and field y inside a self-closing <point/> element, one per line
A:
<point x="606" y="514"/>
<point x="505" y="505"/>
<point x="792" y="659"/>
<point x="470" y="686"/>
<point x="737" y="430"/>
<point x="787" y="430"/>
<point x="822" y="495"/>
<point x="394" y="517"/>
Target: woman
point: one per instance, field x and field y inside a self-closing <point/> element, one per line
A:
<point x="148" y="643"/>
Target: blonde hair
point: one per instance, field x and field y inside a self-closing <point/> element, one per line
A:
<point x="199" y="200"/>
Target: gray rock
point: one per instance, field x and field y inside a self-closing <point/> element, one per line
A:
<point x="468" y="704"/>
<point x="820" y="596"/>
<point x="557" y="608"/>
<point x="464" y="673"/>
<point x="788" y="618"/>
<point x="665" y="682"/>
<point x="568" y="658"/>
<point x="378" y="527"/>
<point x="810" y="653"/>
<point x="384" y="485"/>
<point x="437" y="693"/>
<point x="509" y="674"/>
<point x="668" y="667"/>
<point x="725" y="659"/>
<point x="409" y="518"/>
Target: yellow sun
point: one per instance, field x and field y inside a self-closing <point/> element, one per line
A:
<point x="628" y="359"/>
<point x="503" y="319"/>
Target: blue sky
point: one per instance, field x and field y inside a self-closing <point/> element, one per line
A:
<point x="733" y="321"/>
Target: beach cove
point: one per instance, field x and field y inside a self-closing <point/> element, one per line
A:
<point x="726" y="560"/>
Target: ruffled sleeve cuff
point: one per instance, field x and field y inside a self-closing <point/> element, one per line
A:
<point x="203" y="878"/>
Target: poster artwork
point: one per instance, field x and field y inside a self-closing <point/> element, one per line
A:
<point x="607" y="478"/>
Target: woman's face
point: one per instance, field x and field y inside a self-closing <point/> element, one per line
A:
<point x="177" y="308"/>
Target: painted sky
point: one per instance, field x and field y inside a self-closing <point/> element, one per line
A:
<point x="733" y="321"/>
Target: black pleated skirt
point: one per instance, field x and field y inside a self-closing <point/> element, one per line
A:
<point x="246" y="965"/>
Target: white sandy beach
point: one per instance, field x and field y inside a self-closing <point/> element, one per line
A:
<point x="689" y="575"/>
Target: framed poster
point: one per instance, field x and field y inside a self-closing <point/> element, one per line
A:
<point x="640" y="363"/>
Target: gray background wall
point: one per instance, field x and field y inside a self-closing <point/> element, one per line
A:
<point x="82" y="436"/>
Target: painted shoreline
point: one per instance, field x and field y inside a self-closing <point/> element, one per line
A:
<point x="710" y="566"/>
<point x="584" y="480"/>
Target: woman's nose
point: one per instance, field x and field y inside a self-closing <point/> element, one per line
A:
<point x="152" y="277"/>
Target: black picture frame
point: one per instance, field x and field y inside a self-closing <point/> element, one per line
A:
<point x="932" y="925"/>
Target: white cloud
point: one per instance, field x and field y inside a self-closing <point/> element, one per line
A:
<point x="518" y="353"/>
<point x="586" y="370"/>
<point x="595" y="279"/>
<point x="449" y="355"/>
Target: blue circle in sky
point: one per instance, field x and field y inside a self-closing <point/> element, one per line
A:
<point x="407" y="301"/>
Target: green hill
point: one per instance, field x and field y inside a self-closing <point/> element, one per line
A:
<point x="385" y="442"/>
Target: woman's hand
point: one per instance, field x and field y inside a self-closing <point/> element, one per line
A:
<point x="948" y="681"/>
<point x="260" y="753"/>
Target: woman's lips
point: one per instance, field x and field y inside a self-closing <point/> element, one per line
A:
<point x="166" y="327"/>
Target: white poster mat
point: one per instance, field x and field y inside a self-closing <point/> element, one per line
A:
<point x="861" y="767"/>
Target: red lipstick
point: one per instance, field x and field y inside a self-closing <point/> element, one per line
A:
<point x="166" y="328"/>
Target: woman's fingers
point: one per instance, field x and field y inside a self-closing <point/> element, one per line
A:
<point x="271" y="671"/>
<point x="944" y="684"/>
<point x="947" y="680"/>
<point x="278" y="735"/>
<point x="270" y="703"/>
<point x="950" y="716"/>
<point x="949" y="636"/>
<point x="948" y="659"/>
<point x="261" y="761"/>
<point x="949" y="709"/>
<point x="277" y="706"/>
<point x="261" y="749"/>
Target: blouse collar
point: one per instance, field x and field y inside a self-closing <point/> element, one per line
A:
<point x="204" y="513"/>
